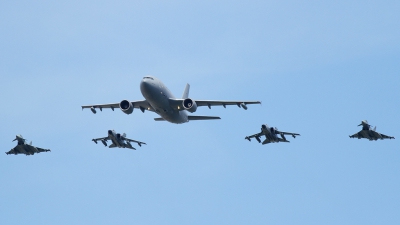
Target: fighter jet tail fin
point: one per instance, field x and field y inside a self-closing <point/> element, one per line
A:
<point x="374" y="128"/>
<point x="186" y="92"/>
<point x="204" y="118"/>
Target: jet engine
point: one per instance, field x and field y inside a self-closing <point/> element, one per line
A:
<point x="126" y="106"/>
<point x="189" y="105"/>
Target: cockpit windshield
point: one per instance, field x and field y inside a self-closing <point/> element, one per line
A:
<point x="148" y="78"/>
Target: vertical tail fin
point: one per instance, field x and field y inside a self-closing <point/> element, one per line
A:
<point x="186" y="92"/>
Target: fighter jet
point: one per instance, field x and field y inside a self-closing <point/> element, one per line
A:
<point x="160" y="100"/>
<point x="118" y="140"/>
<point x="369" y="133"/>
<point x="25" y="148"/>
<point x="271" y="135"/>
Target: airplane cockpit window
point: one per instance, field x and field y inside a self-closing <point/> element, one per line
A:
<point x="148" y="78"/>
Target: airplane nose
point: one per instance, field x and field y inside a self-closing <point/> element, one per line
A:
<point x="144" y="85"/>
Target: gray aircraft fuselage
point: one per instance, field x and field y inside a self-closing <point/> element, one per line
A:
<point x="158" y="95"/>
<point x="269" y="133"/>
<point x="116" y="139"/>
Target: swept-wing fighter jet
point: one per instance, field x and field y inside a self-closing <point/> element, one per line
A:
<point x="271" y="135"/>
<point x="369" y="133"/>
<point x="25" y="148"/>
<point x="160" y="100"/>
<point x="118" y="140"/>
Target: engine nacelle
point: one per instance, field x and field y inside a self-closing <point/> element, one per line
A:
<point x="189" y="105"/>
<point x="126" y="106"/>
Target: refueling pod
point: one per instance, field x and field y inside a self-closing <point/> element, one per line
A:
<point x="93" y="110"/>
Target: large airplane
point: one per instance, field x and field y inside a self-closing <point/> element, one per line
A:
<point x="25" y="148"/>
<point x="118" y="140"/>
<point x="271" y="135"/>
<point x="369" y="133"/>
<point x="160" y="100"/>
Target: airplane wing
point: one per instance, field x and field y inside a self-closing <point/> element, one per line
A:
<point x="142" y="105"/>
<point x="43" y="150"/>
<point x="386" y="137"/>
<point x="256" y="136"/>
<point x="101" y="139"/>
<point x="356" y="135"/>
<point x="13" y="151"/>
<point x="210" y="103"/>
<point x="138" y="142"/>
<point x="287" y="133"/>
<point x="178" y="103"/>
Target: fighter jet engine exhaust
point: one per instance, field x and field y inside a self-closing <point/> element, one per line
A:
<point x="126" y="106"/>
<point x="189" y="105"/>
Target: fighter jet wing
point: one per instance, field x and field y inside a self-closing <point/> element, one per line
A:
<point x="142" y="105"/>
<point x="43" y="150"/>
<point x="287" y="133"/>
<point x="356" y="135"/>
<point x="13" y="151"/>
<point x="100" y="139"/>
<point x="386" y="137"/>
<point x="177" y="104"/>
<point x="138" y="142"/>
<point x="256" y="136"/>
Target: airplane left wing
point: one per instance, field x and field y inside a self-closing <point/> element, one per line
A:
<point x="177" y="104"/>
<point x="386" y="137"/>
<point x="210" y="103"/>
<point x="138" y="142"/>
<point x="287" y="133"/>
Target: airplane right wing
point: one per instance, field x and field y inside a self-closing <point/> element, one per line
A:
<point x="103" y="140"/>
<point x="356" y="135"/>
<point x="13" y="151"/>
<point x="256" y="136"/>
<point x="142" y="105"/>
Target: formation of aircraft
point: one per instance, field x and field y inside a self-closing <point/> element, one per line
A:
<point x="25" y="148"/>
<point x="271" y="135"/>
<point x="369" y="133"/>
<point x="159" y="99"/>
<point x="118" y="140"/>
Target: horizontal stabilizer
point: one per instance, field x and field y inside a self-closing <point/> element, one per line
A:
<point x="159" y="119"/>
<point x="204" y="118"/>
<point x="283" y="140"/>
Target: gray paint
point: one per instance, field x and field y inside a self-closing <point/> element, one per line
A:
<point x="159" y="99"/>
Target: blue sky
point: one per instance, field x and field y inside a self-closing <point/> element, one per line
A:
<point x="319" y="69"/>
